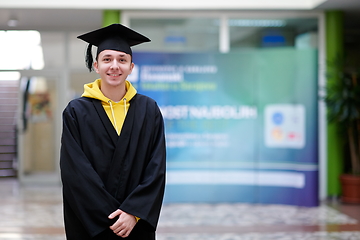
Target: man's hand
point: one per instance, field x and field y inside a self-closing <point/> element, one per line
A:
<point x="124" y="225"/>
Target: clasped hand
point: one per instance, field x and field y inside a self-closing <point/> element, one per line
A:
<point x="124" y="224"/>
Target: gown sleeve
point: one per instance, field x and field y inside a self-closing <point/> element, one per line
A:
<point x="83" y="189"/>
<point x="145" y="200"/>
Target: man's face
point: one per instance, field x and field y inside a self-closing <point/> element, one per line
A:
<point x="113" y="67"/>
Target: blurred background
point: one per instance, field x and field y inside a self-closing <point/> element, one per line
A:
<point x="241" y="85"/>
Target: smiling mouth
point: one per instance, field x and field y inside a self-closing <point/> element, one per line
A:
<point x="114" y="75"/>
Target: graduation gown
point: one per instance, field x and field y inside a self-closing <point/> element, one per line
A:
<point x="102" y="171"/>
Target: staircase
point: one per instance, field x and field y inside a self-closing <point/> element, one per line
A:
<point x="8" y="114"/>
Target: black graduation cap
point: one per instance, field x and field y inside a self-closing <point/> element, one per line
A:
<point x="113" y="37"/>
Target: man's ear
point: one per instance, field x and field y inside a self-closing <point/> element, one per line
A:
<point x="132" y="65"/>
<point x="96" y="67"/>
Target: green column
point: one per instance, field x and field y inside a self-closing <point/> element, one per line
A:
<point x="334" y="50"/>
<point x="110" y="17"/>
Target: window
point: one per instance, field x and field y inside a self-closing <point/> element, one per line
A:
<point x="19" y="50"/>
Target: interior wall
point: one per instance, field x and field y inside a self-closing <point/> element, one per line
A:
<point x="38" y="139"/>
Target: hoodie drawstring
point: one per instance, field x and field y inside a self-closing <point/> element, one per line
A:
<point x="113" y="116"/>
<point x="125" y="112"/>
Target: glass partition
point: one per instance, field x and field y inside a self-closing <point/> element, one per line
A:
<point x="239" y="127"/>
<point x="178" y="34"/>
<point x="267" y="33"/>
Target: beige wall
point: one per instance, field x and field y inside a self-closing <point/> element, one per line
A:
<point x="39" y="140"/>
<point x="39" y="148"/>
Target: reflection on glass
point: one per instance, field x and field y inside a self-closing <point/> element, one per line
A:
<point x="178" y="35"/>
<point x="265" y="33"/>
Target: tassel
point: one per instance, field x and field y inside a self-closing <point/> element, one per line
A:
<point x="89" y="58"/>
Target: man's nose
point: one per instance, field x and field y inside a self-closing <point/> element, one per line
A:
<point x="114" y="64"/>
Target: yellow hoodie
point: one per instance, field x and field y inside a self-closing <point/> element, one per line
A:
<point x="116" y="111"/>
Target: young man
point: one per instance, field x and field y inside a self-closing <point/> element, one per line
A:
<point x="112" y="148"/>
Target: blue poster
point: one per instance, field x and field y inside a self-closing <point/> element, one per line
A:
<point x="240" y="127"/>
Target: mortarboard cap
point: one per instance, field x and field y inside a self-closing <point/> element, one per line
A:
<point x="113" y="37"/>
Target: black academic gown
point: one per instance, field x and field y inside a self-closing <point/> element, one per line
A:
<point x="102" y="172"/>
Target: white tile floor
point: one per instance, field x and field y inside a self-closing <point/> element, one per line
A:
<point x="35" y="212"/>
<point x="249" y="215"/>
<point x="265" y="236"/>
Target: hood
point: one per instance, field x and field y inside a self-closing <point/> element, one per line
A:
<point x="116" y="111"/>
<point x="92" y="90"/>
